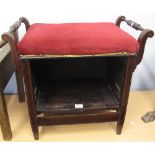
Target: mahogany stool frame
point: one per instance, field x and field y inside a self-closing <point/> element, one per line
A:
<point x="120" y="91"/>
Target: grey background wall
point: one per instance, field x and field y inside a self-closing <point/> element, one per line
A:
<point x="59" y="11"/>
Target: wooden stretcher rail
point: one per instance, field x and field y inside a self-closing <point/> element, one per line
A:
<point x="78" y="119"/>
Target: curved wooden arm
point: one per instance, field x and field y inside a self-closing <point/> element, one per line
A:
<point x="144" y="35"/>
<point x="12" y="37"/>
<point x="12" y="40"/>
<point x="14" y="28"/>
<point x="25" y="21"/>
<point x="119" y="20"/>
<point x="17" y="24"/>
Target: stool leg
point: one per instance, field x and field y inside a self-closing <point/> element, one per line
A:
<point x="20" y="86"/>
<point x="119" y="127"/>
<point x="35" y="131"/>
<point x="4" y="119"/>
<point x="30" y="99"/>
<point x="130" y="66"/>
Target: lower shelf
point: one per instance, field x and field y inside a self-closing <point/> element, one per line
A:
<point x="75" y="96"/>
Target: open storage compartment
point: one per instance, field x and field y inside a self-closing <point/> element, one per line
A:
<point x="77" y="85"/>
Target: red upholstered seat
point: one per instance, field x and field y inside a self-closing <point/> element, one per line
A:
<point x="76" y="39"/>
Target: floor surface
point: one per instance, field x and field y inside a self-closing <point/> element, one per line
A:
<point x="134" y="129"/>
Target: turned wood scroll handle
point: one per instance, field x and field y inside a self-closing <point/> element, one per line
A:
<point x="134" y="25"/>
<point x="129" y="22"/>
<point x="11" y="37"/>
<point x="144" y="35"/>
<point x="17" y="24"/>
<point x="25" y="21"/>
<point x="14" y="27"/>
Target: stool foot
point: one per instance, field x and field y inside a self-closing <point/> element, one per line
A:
<point x="35" y="132"/>
<point x="119" y="128"/>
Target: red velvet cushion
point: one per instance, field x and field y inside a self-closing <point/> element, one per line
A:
<point x="76" y="38"/>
